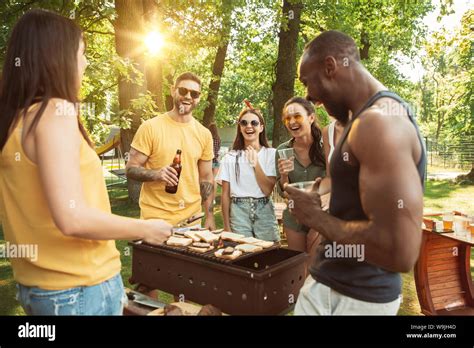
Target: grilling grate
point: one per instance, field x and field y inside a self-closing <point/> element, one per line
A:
<point x="209" y="255"/>
<point x="263" y="283"/>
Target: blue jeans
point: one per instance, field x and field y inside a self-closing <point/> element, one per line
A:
<point x="254" y="217"/>
<point x="106" y="298"/>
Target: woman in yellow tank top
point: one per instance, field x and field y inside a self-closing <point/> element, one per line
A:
<point x="52" y="193"/>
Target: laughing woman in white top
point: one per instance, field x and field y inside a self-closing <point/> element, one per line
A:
<point x="248" y="177"/>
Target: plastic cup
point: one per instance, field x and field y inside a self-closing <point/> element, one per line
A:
<point x="448" y="218"/>
<point x="303" y="185"/>
<point x="439" y="226"/>
<point x="288" y="154"/>
<point x="461" y="226"/>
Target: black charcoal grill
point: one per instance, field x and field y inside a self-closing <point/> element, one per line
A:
<point x="262" y="283"/>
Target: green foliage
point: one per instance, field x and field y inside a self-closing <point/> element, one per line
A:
<point x="446" y="98"/>
<point x="192" y="31"/>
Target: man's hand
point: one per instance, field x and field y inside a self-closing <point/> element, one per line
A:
<point x="305" y="206"/>
<point x="136" y="170"/>
<point x="210" y="222"/>
<point x="167" y="175"/>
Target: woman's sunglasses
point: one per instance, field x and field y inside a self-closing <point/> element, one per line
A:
<point x="184" y="91"/>
<point x="244" y="123"/>
<point x="298" y="119"/>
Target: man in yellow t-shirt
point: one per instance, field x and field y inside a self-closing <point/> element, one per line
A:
<point x="153" y="149"/>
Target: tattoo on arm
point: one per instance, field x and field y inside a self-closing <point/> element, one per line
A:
<point x="141" y="174"/>
<point x="206" y="190"/>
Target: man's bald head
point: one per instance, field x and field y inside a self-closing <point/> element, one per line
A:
<point x="325" y="71"/>
<point x="332" y="43"/>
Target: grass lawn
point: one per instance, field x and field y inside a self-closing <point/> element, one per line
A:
<point x="439" y="196"/>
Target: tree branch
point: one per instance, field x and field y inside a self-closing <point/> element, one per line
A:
<point x="100" y="32"/>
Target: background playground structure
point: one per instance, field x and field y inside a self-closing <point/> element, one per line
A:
<point x="113" y="161"/>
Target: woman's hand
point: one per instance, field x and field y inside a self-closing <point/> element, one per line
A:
<point x="285" y="166"/>
<point x="252" y="156"/>
<point x="158" y="232"/>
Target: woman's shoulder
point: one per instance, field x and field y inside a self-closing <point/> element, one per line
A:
<point x="60" y="107"/>
<point x="67" y="112"/>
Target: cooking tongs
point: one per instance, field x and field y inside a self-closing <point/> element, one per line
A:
<point x="181" y="224"/>
<point x="188" y="221"/>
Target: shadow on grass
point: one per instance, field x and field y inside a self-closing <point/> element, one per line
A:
<point x="437" y="189"/>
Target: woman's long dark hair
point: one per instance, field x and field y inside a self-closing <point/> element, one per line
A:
<point x="40" y="64"/>
<point x="316" y="151"/>
<point x="239" y="142"/>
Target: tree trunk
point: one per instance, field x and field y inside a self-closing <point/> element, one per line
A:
<point x="154" y="65"/>
<point x="283" y="88"/>
<point x="470" y="175"/>
<point x="466" y="178"/>
<point x="218" y="68"/>
<point x="365" y="45"/>
<point x="439" y="124"/>
<point x="128" y="30"/>
<point x="154" y="81"/>
<point x="168" y="97"/>
<point x="214" y="85"/>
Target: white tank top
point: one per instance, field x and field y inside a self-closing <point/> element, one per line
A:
<point x="331" y="139"/>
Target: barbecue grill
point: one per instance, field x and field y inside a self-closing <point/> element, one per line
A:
<point x="262" y="283"/>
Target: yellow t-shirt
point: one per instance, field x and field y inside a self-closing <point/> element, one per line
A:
<point x="50" y="259"/>
<point x="159" y="138"/>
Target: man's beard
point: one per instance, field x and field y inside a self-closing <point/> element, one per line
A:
<point x="180" y="107"/>
<point x="334" y="108"/>
<point x="342" y="115"/>
<point x="338" y="111"/>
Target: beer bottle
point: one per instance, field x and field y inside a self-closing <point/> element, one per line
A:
<point x="177" y="166"/>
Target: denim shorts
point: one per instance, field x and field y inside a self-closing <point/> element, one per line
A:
<point x="254" y="217"/>
<point x="106" y="298"/>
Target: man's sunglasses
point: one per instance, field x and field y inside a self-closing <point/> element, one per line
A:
<point x="184" y="92"/>
<point x="244" y="123"/>
<point x="298" y="118"/>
